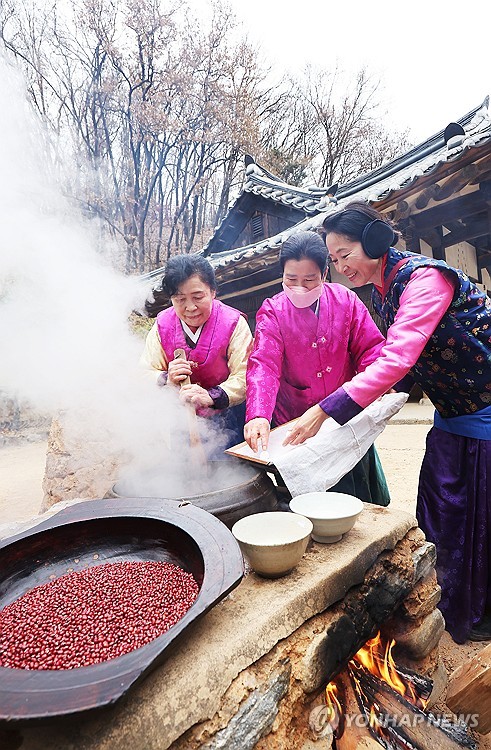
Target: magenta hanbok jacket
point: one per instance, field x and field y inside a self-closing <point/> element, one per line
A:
<point x="299" y="358"/>
<point x="210" y="354"/>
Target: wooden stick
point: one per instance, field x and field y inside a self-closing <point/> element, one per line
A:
<point x="197" y="450"/>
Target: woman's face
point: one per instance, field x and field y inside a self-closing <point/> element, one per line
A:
<point x="349" y="259"/>
<point x="193" y="302"/>
<point x="304" y="272"/>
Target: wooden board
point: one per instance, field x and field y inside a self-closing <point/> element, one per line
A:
<point x="275" y="447"/>
<point x="469" y="690"/>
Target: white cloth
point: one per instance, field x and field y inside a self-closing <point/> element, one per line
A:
<point x="324" y="459"/>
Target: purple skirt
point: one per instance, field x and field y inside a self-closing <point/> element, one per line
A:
<point x="454" y="511"/>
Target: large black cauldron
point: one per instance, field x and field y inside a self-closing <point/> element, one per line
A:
<point x="94" y="533"/>
<point x="228" y="489"/>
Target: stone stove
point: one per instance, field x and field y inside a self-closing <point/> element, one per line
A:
<point x="249" y="673"/>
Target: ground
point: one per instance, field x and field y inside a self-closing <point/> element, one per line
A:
<point x="400" y="446"/>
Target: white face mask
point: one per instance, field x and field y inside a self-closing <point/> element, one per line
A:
<point x="301" y="297"/>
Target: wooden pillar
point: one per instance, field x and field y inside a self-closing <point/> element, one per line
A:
<point x="436" y="242"/>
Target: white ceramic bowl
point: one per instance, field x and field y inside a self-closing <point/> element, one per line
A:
<point x="332" y="513"/>
<point x="273" y="543"/>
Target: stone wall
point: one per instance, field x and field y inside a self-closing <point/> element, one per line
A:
<point x="85" y="471"/>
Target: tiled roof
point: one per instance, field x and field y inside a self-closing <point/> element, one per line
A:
<point x="379" y="184"/>
<point x="423" y="159"/>
<point x="309" y="199"/>
<point x="382" y="183"/>
<point x="258" y="181"/>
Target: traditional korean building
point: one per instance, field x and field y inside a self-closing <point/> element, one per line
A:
<point x="438" y="194"/>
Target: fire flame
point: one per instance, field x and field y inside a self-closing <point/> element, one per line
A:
<point x="374" y="720"/>
<point x="333" y="704"/>
<point x="377" y="659"/>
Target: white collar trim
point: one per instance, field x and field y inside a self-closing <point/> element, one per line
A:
<point x="193" y="336"/>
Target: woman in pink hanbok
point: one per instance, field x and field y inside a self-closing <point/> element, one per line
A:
<point x="310" y="339"/>
<point x="216" y="340"/>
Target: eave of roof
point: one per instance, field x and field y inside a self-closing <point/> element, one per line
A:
<point x="260" y="182"/>
<point x="427" y="151"/>
<point x="310" y="199"/>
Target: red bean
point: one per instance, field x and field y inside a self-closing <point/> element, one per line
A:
<point x="92" y="615"/>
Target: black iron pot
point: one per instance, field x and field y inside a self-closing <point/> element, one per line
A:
<point x="246" y="490"/>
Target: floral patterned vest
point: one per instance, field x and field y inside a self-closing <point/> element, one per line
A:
<point x="454" y="368"/>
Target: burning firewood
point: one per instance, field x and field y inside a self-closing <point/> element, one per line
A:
<point x="420" y="686"/>
<point x="469" y="687"/>
<point x="376" y="657"/>
<point x="352" y="733"/>
<point x="375" y="703"/>
<point x="400" y="722"/>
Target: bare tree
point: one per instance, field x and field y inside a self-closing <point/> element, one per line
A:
<point x="333" y="130"/>
<point x="156" y="110"/>
<point x="153" y="109"/>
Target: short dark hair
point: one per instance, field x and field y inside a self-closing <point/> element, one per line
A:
<point x="304" y="244"/>
<point x="351" y="220"/>
<point x="180" y="268"/>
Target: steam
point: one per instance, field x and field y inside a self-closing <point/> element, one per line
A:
<point x="65" y="343"/>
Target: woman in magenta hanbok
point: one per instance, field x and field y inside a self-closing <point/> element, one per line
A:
<point x="216" y="340"/>
<point x="310" y="338"/>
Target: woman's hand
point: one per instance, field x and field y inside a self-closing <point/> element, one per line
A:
<point x="195" y="395"/>
<point x="178" y="370"/>
<point x="307" y="426"/>
<point x="257" y="429"/>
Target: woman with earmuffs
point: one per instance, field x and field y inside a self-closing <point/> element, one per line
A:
<point x="438" y="336"/>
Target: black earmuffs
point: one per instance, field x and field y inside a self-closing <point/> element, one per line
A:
<point x="377" y="237"/>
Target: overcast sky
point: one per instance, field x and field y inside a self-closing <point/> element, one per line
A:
<point x="433" y="58"/>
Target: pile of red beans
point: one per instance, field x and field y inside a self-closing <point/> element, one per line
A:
<point x="89" y="616"/>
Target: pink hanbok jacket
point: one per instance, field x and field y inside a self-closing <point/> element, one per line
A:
<point x="299" y="357"/>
